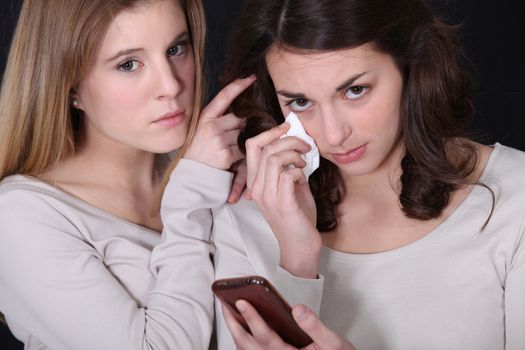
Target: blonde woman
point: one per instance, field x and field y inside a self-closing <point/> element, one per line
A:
<point x="95" y="94"/>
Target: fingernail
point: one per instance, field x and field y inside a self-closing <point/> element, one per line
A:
<point x="284" y="125"/>
<point x="299" y="313"/>
<point x="240" y="306"/>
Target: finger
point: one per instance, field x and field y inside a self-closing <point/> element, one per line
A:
<point x="239" y="183"/>
<point x="263" y="334"/>
<point x="254" y="148"/>
<point x="320" y="334"/>
<point x="225" y="97"/>
<point x="276" y="168"/>
<point x="288" y="185"/>
<point x="229" y="122"/>
<point x="268" y="154"/>
<point x="230" y="137"/>
<point x="240" y="336"/>
<point x="235" y="154"/>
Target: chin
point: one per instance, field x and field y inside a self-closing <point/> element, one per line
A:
<point x="164" y="145"/>
<point x="357" y="169"/>
<point x="168" y="148"/>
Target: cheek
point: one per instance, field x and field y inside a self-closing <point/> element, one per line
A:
<point x="314" y="127"/>
<point x="187" y="74"/>
<point x="382" y="116"/>
<point x="112" y="99"/>
<point x="128" y="98"/>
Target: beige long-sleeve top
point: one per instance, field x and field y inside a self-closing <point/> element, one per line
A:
<point x="457" y="288"/>
<point x="75" y="277"/>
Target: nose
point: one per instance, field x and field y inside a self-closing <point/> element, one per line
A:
<point x="336" y="126"/>
<point x="169" y="84"/>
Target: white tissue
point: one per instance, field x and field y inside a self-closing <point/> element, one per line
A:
<point x="311" y="157"/>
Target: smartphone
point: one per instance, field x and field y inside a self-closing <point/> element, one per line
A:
<point x="267" y="301"/>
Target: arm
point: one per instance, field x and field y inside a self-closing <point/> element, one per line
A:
<point x="56" y="286"/>
<point x="245" y="245"/>
<point x="278" y="185"/>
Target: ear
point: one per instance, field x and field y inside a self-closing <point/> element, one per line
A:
<point x="74" y="100"/>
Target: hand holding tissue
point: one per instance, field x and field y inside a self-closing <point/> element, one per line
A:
<point x="311" y="157"/>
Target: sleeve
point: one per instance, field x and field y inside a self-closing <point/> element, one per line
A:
<point x="298" y="290"/>
<point x="230" y="260"/>
<point x="55" y="285"/>
<point x="515" y="296"/>
<point x="182" y="260"/>
<point x="233" y="258"/>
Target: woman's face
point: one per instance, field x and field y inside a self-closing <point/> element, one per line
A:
<point x="140" y="91"/>
<point x="348" y="101"/>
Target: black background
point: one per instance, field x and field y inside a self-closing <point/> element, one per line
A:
<point x="492" y="33"/>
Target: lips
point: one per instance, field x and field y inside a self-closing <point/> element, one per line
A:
<point x="171" y="119"/>
<point x="350" y="156"/>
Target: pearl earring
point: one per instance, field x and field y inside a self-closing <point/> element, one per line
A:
<point x="75" y="102"/>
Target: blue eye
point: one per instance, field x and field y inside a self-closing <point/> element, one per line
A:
<point x="177" y="50"/>
<point x="299" y="105"/>
<point x="129" y="66"/>
<point x="354" y="92"/>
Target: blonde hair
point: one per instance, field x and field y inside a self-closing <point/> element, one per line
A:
<point x="48" y="58"/>
<point x="54" y="45"/>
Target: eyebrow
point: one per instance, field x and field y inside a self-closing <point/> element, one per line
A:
<point x="181" y="36"/>
<point x="344" y="85"/>
<point x="349" y="81"/>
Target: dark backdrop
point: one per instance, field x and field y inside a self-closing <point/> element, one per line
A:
<point x="492" y="32"/>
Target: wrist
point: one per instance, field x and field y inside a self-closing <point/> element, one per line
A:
<point x="301" y="262"/>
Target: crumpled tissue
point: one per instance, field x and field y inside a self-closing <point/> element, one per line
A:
<point x="311" y="157"/>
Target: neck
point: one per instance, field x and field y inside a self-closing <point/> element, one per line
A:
<point x="127" y="169"/>
<point x="104" y="162"/>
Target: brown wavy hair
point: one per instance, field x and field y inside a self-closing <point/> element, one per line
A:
<point x="436" y="106"/>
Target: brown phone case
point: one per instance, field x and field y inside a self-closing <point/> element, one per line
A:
<point x="269" y="303"/>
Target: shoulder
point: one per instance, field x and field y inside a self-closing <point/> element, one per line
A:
<point x="504" y="175"/>
<point x="19" y="192"/>
<point x="31" y="210"/>
<point x="25" y="194"/>
<point x="36" y="225"/>
<point x="505" y="166"/>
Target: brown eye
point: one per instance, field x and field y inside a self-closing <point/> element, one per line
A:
<point x="299" y="105"/>
<point x="354" y="92"/>
<point x="301" y="102"/>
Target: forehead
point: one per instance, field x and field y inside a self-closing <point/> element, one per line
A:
<point x="313" y="70"/>
<point x="149" y="22"/>
<point x="296" y="59"/>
